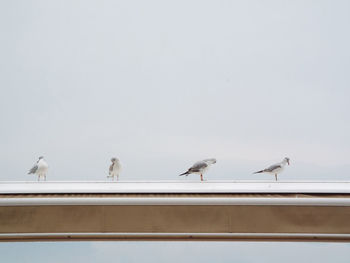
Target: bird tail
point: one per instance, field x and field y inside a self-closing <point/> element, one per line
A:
<point x="186" y="173"/>
<point x="259" y="172"/>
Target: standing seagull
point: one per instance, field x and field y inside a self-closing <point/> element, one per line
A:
<point x="275" y="168"/>
<point x="114" y="168"/>
<point x="40" y="168"/>
<point x="200" y="167"/>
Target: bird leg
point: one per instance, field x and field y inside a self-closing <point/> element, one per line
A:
<point x="201" y="177"/>
<point x="276" y="176"/>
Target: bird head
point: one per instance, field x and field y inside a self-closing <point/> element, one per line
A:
<point x="114" y="160"/>
<point x="286" y="159"/>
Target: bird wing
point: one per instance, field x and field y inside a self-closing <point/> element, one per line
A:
<point x="111" y="168"/>
<point x="33" y="170"/>
<point x="198" y="166"/>
<point x="272" y="168"/>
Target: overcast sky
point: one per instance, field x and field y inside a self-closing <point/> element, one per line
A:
<point x="174" y="252"/>
<point x="162" y="84"/>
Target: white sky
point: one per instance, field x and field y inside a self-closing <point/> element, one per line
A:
<point x="162" y="84"/>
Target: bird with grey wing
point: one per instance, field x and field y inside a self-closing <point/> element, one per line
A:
<point x="200" y="167"/>
<point x="275" y="168"/>
<point x="114" y="169"/>
<point x="40" y="168"/>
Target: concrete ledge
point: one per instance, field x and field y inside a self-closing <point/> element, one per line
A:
<point x="175" y="187"/>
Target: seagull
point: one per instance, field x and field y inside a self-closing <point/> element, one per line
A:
<point x="275" y="168"/>
<point x="114" y="168"/>
<point x="200" y="167"/>
<point x="40" y="168"/>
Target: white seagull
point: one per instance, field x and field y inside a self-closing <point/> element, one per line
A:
<point x="115" y="168"/>
<point x="200" y="167"/>
<point x="275" y="168"/>
<point x="40" y="168"/>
